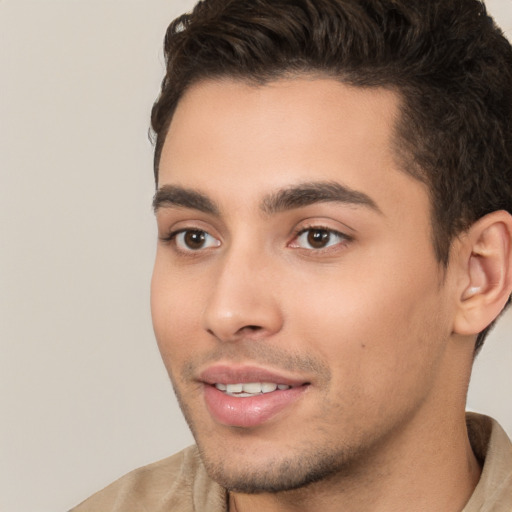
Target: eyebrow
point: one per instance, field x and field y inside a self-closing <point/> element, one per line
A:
<point x="180" y="197"/>
<point x="309" y="193"/>
<point x="296" y="196"/>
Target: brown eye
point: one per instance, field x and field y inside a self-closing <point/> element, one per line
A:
<point x="194" y="239"/>
<point x="318" y="238"/>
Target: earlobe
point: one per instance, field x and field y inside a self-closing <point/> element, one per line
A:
<point x="487" y="268"/>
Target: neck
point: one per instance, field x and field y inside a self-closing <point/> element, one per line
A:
<point x="439" y="473"/>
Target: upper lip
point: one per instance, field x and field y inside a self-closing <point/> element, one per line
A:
<point x="231" y="374"/>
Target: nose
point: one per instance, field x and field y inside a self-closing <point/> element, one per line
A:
<point x="244" y="302"/>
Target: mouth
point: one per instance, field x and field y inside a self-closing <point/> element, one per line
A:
<point x="250" y="389"/>
<point x="248" y="396"/>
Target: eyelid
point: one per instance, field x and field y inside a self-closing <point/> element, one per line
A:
<point x="172" y="237"/>
<point x="345" y="238"/>
<point x="177" y="232"/>
<point x="171" y="225"/>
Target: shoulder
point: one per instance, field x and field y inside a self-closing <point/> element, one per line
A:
<point x="179" y="482"/>
<point x="493" y="448"/>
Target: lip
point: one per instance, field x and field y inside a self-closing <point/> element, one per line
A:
<point x="230" y="374"/>
<point x="248" y="412"/>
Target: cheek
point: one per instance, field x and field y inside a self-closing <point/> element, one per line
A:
<point x="381" y="330"/>
<point x="175" y="310"/>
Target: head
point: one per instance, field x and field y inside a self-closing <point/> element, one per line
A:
<point x="330" y="172"/>
<point x="449" y="63"/>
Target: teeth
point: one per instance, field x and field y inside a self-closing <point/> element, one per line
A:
<point x="250" y="388"/>
<point x="234" y="388"/>
<point x="268" y="387"/>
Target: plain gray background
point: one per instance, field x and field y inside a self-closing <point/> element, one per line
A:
<point x="84" y="397"/>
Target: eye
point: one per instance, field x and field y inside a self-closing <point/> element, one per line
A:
<point x="193" y="240"/>
<point x="318" y="238"/>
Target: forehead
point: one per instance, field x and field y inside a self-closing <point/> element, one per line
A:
<point x="237" y="139"/>
<point x="285" y="112"/>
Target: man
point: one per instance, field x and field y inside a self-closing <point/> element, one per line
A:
<point x="334" y="188"/>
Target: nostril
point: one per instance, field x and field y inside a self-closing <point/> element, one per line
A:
<point x="239" y="333"/>
<point x="249" y="329"/>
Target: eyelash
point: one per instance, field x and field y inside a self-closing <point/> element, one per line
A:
<point x="173" y="234"/>
<point x="171" y="238"/>
<point x="345" y="239"/>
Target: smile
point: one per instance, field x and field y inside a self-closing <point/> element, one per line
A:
<point x="249" y="396"/>
<point x="250" y="389"/>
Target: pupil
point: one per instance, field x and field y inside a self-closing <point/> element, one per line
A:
<point x="195" y="239"/>
<point x="318" y="238"/>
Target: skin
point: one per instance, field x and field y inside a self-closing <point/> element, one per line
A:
<point x="367" y="321"/>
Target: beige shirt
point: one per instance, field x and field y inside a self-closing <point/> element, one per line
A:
<point x="180" y="483"/>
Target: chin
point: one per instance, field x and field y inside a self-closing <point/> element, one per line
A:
<point x="243" y="473"/>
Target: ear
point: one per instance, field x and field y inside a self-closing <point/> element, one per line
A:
<point x="486" y="281"/>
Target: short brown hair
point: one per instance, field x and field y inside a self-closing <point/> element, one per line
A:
<point x="448" y="61"/>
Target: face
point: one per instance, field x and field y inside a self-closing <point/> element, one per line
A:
<point x="296" y="299"/>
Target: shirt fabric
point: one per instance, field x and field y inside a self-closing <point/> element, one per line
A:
<point x="180" y="483"/>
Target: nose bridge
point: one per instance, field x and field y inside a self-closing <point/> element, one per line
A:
<point x="243" y="299"/>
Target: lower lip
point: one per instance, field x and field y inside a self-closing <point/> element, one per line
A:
<point x="248" y="411"/>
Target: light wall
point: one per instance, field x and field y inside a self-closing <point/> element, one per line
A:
<point x="83" y="395"/>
